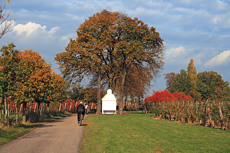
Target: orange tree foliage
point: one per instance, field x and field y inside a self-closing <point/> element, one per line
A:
<point x="57" y="89"/>
<point x="34" y="77"/>
<point x="27" y="77"/>
<point x="108" y="44"/>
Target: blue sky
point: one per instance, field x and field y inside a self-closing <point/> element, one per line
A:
<point x="198" y="29"/>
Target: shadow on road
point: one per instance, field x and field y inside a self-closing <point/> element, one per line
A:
<point x="34" y="135"/>
<point x="51" y="120"/>
<point x="47" y="125"/>
<point x="26" y="126"/>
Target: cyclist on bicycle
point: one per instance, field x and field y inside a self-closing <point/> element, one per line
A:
<point x="80" y="110"/>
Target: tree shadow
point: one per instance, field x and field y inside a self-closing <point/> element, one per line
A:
<point x="92" y="111"/>
<point x="27" y="126"/>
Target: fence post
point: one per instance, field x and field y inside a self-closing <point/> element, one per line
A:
<point x="163" y="111"/>
<point x="197" y="103"/>
<point x="191" y="110"/>
<point x="227" y="118"/>
<point x="188" y="117"/>
<point x="179" y="117"/>
<point x="65" y="107"/>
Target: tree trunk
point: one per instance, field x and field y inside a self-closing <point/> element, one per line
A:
<point x="110" y="81"/>
<point x="38" y="110"/>
<point x="210" y="118"/>
<point x="98" y="94"/>
<point x="125" y="102"/>
<point x="145" y="107"/>
<point x="2" y="116"/>
<point x="48" y="107"/>
<point x="24" y="113"/>
<point x="16" y="112"/>
<point x="121" y="93"/>
<point x="221" y="117"/>
<point x="2" y="112"/>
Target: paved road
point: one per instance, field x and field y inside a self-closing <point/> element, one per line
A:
<point x="61" y="136"/>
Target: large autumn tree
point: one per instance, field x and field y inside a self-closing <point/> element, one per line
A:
<point x="107" y="45"/>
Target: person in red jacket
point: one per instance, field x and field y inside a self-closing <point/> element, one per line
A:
<point x="80" y="110"/>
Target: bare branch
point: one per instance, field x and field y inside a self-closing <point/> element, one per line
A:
<point x="5" y="23"/>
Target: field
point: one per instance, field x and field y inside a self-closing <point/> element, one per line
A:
<point x="137" y="132"/>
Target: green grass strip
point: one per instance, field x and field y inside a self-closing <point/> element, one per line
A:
<point x="142" y="133"/>
<point x="11" y="133"/>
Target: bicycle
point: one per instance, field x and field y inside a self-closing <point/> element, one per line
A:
<point x="81" y="120"/>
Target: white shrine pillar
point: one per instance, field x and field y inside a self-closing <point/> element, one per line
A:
<point x="109" y="103"/>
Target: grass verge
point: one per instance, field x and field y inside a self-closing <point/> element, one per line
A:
<point x="142" y="133"/>
<point x="8" y="134"/>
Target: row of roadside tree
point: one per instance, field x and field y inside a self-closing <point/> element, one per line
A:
<point x="26" y="77"/>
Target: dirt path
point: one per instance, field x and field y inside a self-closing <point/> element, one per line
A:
<point x="61" y="136"/>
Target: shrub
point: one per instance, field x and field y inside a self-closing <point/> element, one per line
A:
<point x="53" y="113"/>
<point x="32" y="117"/>
<point x="45" y="115"/>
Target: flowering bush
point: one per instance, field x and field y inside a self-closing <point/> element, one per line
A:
<point x="166" y="96"/>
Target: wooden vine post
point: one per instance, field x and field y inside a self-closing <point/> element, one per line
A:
<point x="179" y="115"/>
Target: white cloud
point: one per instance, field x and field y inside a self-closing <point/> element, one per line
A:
<point x="53" y="31"/>
<point x="220" y="59"/>
<point x="28" y="29"/>
<point x="178" y="56"/>
<point x="32" y="29"/>
<point x="175" y="52"/>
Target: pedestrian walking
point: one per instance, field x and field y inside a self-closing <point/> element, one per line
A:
<point x="86" y="108"/>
